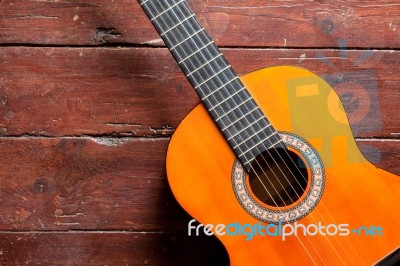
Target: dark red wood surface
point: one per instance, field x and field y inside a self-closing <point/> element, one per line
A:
<point x="141" y="91"/>
<point x="89" y="98"/>
<point x="277" y="23"/>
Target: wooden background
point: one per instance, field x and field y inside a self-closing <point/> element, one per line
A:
<point x="89" y="98"/>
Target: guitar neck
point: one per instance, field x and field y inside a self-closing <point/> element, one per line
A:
<point x="231" y="106"/>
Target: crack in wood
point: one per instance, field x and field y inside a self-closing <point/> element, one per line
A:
<point x="30" y="16"/>
<point x="104" y="35"/>
<point x="111" y="141"/>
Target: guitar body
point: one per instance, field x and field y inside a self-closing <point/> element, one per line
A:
<point x="200" y="163"/>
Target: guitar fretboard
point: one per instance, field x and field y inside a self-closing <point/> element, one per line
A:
<point x="238" y="116"/>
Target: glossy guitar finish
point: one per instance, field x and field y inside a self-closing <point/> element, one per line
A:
<point x="199" y="167"/>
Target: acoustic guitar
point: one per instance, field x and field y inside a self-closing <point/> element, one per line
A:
<point x="268" y="162"/>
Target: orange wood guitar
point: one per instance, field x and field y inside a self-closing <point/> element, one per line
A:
<point x="273" y="148"/>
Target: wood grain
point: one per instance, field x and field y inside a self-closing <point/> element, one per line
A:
<point x="103" y="184"/>
<point x="89" y="98"/>
<point x="254" y="23"/>
<point x="109" y="248"/>
<point x="142" y="92"/>
<point x="62" y="184"/>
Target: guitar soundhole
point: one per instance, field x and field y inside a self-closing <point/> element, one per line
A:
<point x="278" y="177"/>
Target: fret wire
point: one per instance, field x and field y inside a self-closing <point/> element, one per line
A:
<point x="212" y="69"/>
<point x="191" y="36"/>
<point x="251" y="159"/>
<point x="201" y="53"/>
<point x="203" y="65"/>
<point x="176" y="25"/>
<point x="249" y="125"/>
<point x="227" y="78"/>
<point x="183" y="41"/>
<point x="199" y="50"/>
<point x="166" y="39"/>
<point x="213" y="76"/>
<point x="202" y="40"/>
<point x="256" y="133"/>
<point x="157" y="22"/>
<point x="237" y="120"/>
<point x="247" y="160"/>
<point x="230" y="111"/>
<point x="251" y="147"/>
<point x="262" y="140"/>
<point x="144" y="2"/>
<point x="230" y="97"/>
<point x="172" y="41"/>
<point x="222" y="86"/>
<point x="196" y="33"/>
<point x="196" y="51"/>
<point x="198" y="45"/>
<point x="177" y="16"/>
<point x="166" y="10"/>
<point x="164" y="24"/>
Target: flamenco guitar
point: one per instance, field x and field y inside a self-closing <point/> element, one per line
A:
<point x="262" y="150"/>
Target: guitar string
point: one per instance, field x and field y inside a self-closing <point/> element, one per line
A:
<point x="288" y="195"/>
<point x="299" y="197"/>
<point x="292" y="201"/>
<point x="269" y="193"/>
<point x="320" y="215"/>
<point x="323" y="219"/>
<point x="346" y="239"/>
<point x="282" y="173"/>
<point x="276" y="177"/>
<point x="260" y="167"/>
<point x="257" y="136"/>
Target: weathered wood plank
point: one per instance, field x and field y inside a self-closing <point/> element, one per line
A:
<point x="116" y="187"/>
<point x="81" y="183"/>
<point x="275" y="23"/>
<point x="141" y="91"/>
<point x="110" y="248"/>
<point x="59" y="184"/>
<point x="382" y="153"/>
